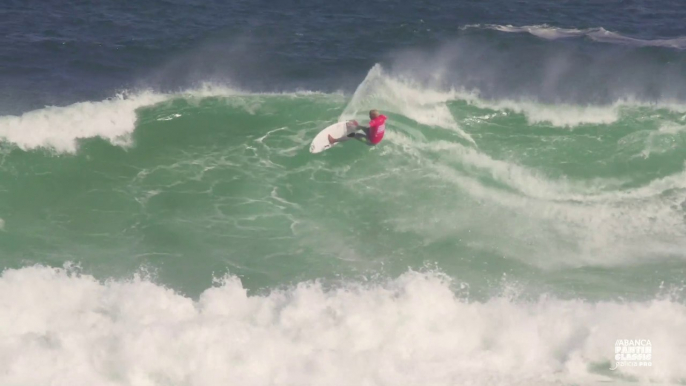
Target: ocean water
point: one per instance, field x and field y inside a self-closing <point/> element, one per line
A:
<point x="162" y="221"/>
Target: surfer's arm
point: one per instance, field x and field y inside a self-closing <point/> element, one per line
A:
<point x="355" y="125"/>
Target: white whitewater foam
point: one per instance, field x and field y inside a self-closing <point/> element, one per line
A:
<point x="559" y="115"/>
<point x="114" y="119"/>
<point x="66" y="329"/>
<point x="60" y="127"/>
<point x="569" y="115"/>
<point x="597" y="34"/>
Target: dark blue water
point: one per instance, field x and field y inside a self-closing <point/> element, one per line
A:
<point x="58" y="52"/>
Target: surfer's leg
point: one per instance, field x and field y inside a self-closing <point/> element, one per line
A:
<point x="360" y="136"/>
<point x="364" y="139"/>
<point x="333" y="140"/>
<point x="367" y="137"/>
<point x="356" y="135"/>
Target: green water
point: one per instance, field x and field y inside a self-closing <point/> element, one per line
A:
<point x="216" y="185"/>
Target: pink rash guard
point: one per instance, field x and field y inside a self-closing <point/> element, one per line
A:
<point x="377" y="127"/>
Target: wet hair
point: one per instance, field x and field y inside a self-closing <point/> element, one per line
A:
<point x="374" y="112"/>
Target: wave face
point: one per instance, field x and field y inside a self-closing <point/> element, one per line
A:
<point x="162" y="221"/>
<point x="578" y="209"/>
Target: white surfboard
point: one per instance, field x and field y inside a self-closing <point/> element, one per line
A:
<point x="321" y="141"/>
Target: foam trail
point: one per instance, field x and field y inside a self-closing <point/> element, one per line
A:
<point x="600" y="223"/>
<point x="598" y="34"/>
<point x="593" y="234"/>
<point x="535" y="185"/>
<point x="63" y="328"/>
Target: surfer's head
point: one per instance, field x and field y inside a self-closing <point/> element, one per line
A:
<point x="373" y="113"/>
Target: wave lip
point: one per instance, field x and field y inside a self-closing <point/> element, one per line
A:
<point x="598" y="34"/>
<point x="559" y="115"/>
<point x="59" y="128"/>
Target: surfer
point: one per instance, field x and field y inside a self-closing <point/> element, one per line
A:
<point x="372" y="134"/>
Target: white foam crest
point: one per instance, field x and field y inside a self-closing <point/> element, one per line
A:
<point x="605" y="36"/>
<point x="62" y="328"/>
<point x="569" y="115"/>
<point x="113" y="119"/>
<point x="542" y="31"/>
<point x="59" y="128"/>
<point x="597" y="34"/>
<point x="402" y="96"/>
<point x="560" y="115"/>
